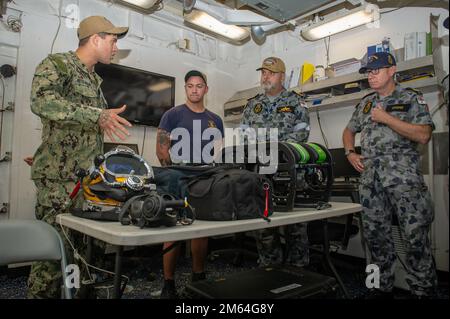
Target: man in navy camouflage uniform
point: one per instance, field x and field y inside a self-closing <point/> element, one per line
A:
<point x="285" y="110"/>
<point x="392" y="122"/>
<point x="66" y="95"/>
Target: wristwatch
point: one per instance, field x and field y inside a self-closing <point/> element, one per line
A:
<point x="347" y="152"/>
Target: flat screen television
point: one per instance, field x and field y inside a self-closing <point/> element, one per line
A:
<point x="147" y="95"/>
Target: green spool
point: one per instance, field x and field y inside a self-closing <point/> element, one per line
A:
<point x="304" y="155"/>
<point x="320" y="152"/>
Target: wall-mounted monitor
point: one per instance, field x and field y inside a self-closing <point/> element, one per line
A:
<point x="147" y="95"/>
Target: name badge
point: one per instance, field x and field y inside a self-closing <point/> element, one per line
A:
<point x="398" y="108"/>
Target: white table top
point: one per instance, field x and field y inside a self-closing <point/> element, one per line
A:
<point x="116" y="234"/>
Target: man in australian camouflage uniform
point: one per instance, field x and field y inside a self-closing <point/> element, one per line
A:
<point x="286" y="111"/>
<point x="392" y="122"/>
<point x="66" y="95"/>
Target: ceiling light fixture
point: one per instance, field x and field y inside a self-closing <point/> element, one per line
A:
<point x="209" y="24"/>
<point x="144" y="6"/>
<point x="362" y="15"/>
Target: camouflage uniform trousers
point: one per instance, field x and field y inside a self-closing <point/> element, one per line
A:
<point x="269" y="247"/>
<point x="413" y="208"/>
<point x="45" y="279"/>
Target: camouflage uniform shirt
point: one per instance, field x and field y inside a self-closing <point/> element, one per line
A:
<point x="393" y="157"/>
<point x="287" y="112"/>
<point x="68" y="99"/>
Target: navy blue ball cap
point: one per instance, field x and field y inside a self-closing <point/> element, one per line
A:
<point x="446" y="23"/>
<point x="378" y="60"/>
<point x="195" y="73"/>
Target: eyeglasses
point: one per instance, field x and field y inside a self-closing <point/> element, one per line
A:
<point x="374" y="71"/>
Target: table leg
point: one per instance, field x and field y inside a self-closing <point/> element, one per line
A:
<point x="118" y="273"/>
<point x="326" y="252"/>
<point x="89" y="250"/>
<point x="363" y="239"/>
<point x="346" y="237"/>
<point x="355" y="199"/>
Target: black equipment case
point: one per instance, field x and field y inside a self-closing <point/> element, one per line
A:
<point x="266" y="283"/>
<point x="303" y="176"/>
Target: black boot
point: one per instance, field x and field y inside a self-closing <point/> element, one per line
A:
<point x="168" y="290"/>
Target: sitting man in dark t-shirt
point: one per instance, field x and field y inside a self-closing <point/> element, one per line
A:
<point x="188" y="134"/>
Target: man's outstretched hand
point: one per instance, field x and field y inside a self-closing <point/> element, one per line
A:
<point x="113" y="124"/>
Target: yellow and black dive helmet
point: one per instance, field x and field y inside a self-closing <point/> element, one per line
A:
<point x="117" y="176"/>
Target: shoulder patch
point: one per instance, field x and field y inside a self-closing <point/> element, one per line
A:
<point x="363" y="98"/>
<point x="421" y="100"/>
<point x="367" y="107"/>
<point x="414" y="90"/>
<point x="257" y="108"/>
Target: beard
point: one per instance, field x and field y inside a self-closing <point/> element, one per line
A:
<point x="267" y="86"/>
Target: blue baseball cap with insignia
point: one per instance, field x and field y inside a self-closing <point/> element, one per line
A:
<point x="378" y="60"/>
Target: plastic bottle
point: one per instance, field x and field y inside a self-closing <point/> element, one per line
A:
<point x="385" y="44"/>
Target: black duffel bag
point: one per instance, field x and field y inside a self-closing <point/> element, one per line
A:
<point x="229" y="194"/>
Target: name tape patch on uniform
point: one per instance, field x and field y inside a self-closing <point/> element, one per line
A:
<point x="398" y="108"/>
<point x="285" y="109"/>
<point x="367" y="107"/>
<point x="257" y="108"/>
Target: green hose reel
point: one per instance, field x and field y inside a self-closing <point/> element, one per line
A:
<point x="310" y="153"/>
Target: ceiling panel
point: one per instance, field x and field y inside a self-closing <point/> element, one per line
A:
<point x="284" y="10"/>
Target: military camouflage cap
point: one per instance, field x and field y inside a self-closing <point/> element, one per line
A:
<point x="273" y="64"/>
<point x="98" y="24"/>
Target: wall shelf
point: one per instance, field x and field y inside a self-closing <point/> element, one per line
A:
<point x="424" y="63"/>
<point x="425" y="86"/>
<point x="235" y="105"/>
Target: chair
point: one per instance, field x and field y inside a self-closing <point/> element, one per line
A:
<point x="32" y="240"/>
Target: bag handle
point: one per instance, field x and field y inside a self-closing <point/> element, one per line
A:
<point x="207" y="189"/>
<point x="206" y="175"/>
